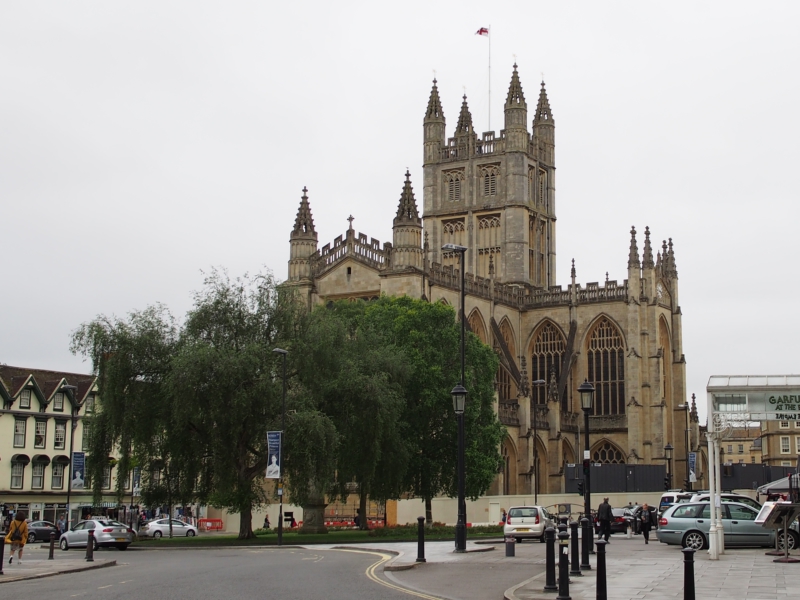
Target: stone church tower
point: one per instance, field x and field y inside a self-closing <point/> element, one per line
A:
<point x="495" y="194"/>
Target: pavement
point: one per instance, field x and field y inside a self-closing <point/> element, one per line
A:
<point x="634" y="571"/>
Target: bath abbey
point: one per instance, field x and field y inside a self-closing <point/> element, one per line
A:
<point x="495" y="194"/>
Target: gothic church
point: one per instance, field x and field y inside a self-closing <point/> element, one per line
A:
<point x="495" y="194"/>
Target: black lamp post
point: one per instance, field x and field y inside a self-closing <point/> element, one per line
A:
<point x="586" y="391"/>
<point x="283" y="432"/>
<point x="668" y="453"/>
<point x="70" y="391"/>
<point x="536" y="384"/>
<point x="687" y="433"/>
<point x="459" y="394"/>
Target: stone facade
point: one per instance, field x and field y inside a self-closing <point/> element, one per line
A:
<point x="495" y="194"/>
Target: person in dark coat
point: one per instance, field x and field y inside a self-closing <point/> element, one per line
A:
<point x="604" y="516"/>
<point x="647" y="518"/>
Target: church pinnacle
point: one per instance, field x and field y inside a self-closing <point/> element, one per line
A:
<point x="434" y="112"/>
<point x="464" y="126"/>
<point x="304" y="222"/>
<point x="407" y="210"/>
<point x="647" y="256"/>
<point x="515" y="98"/>
<point x="633" y="254"/>
<point x="543" y="112"/>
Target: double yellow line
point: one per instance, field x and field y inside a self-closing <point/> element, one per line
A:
<point x="371" y="573"/>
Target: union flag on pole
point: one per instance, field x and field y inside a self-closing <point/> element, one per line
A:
<point x="483" y="31"/>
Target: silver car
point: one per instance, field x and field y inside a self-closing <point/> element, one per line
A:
<point x="688" y="526"/>
<point x="107" y="533"/>
<point x="160" y="528"/>
<point x="527" y="522"/>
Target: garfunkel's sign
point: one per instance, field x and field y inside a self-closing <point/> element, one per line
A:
<point x="786" y="407"/>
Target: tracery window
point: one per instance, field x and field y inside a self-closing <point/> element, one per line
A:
<point x="608" y="454"/>
<point x="606" y="371"/>
<point x="537" y="248"/>
<point x="505" y="386"/>
<point x="453" y="182"/>
<point x="488" y="177"/>
<point x="542" y="198"/>
<point x="488" y="244"/>
<point x="547" y="353"/>
<point x="453" y="232"/>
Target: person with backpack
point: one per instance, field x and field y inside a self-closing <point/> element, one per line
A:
<point x="17" y="536"/>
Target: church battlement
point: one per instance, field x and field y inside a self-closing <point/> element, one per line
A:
<point x="461" y="148"/>
<point x="369" y="252"/>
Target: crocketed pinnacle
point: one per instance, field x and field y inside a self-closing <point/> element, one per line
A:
<point x="672" y="269"/>
<point x="434" y="112"/>
<point x="647" y="256"/>
<point x="543" y="113"/>
<point x="633" y="254"/>
<point x="515" y="98"/>
<point x="407" y="210"/>
<point x="304" y="223"/>
<point x="464" y="126"/>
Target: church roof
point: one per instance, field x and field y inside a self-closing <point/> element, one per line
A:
<point x="407" y="209"/>
<point x="304" y="222"/>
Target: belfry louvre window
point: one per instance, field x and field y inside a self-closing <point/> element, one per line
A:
<point x="547" y="354"/>
<point x="488" y="177"/>
<point x="453" y="181"/>
<point x="606" y="369"/>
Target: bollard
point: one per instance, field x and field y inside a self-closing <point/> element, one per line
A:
<point x="602" y="588"/>
<point x="511" y="546"/>
<point x="629" y="530"/>
<point x="563" y="566"/>
<point x="2" y="552"/>
<point x="421" y="539"/>
<point x="576" y="567"/>
<point x="550" y="566"/>
<point x="90" y="547"/>
<point x="586" y="545"/>
<point x="688" y="574"/>
<point x="52" y="544"/>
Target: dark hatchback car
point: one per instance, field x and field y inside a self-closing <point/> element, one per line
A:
<point x="40" y="530"/>
<point x="619" y="524"/>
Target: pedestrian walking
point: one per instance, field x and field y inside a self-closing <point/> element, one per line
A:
<point x="503" y="516"/>
<point x="647" y="519"/>
<point x="61" y="524"/>
<point x="17" y="536"/>
<point x="604" y="516"/>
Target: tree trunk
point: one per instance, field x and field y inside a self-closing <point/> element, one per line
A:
<point x="246" y="523"/>
<point x="362" y="507"/>
<point x="428" y="512"/>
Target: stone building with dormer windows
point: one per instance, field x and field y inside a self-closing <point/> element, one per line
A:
<point x="495" y="193"/>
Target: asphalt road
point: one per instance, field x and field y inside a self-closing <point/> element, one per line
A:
<point x="211" y="574"/>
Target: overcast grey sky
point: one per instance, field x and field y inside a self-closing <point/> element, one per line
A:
<point x="141" y="142"/>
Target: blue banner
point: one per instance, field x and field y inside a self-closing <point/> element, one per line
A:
<point x="78" y="470"/>
<point x="692" y="467"/>
<point x="137" y="481"/>
<point x="274" y="442"/>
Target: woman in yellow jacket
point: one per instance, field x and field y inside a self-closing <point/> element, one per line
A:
<point x="17" y="536"/>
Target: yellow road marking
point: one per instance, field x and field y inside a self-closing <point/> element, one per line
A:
<point x="370" y="572"/>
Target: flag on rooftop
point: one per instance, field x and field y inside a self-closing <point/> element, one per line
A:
<point x="482" y="31"/>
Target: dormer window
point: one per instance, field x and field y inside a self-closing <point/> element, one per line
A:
<point x="58" y="402"/>
<point x="25" y="399"/>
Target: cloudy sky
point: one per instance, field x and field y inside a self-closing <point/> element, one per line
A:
<point x="144" y="142"/>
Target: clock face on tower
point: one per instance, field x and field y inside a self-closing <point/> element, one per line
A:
<point x="660" y="290"/>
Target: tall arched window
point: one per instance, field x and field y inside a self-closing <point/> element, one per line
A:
<point x="453" y="232"/>
<point x="547" y="352"/>
<point x="606" y="368"/>
<point x="488" y="244"/>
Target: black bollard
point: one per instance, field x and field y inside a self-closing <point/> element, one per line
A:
<point x="550" y="563"/>
<point x="586" y="544"/>
<point x="421" y="539"/>
<point x="90" y="547"/>
<point x="563" y="566"/>
<point x="52" y="544"/>
<point x="511" y="546"/>
<point x="576" y="567"/>
<point x="688" y="574"/>
<point x="602" y="588"/>
<point x="2" y="552"/>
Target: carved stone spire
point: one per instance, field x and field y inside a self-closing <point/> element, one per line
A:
<point x="407" y="212"/>
<point x="304" y="222"/>
<point x="633" y="254"/>
<point x="672" y="269"/>
<point x="464" y="126"/>
<point x="515" y="98"/>
<point x="543" y="112"/>
<point x="434" y="112"/>
<point x="647" y="256"/>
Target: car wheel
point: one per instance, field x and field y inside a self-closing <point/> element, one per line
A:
<point x="694" y="540"/>
<point x="63" y="544"/>
<point x="157" y="534"/>
<point x="190" y="533"/>
<point x="31" y="538"/>
<point x="793" y="541"/>
<point x="122" y="546"/>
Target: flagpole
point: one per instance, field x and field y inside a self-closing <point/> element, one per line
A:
<point x="490" y="78"/>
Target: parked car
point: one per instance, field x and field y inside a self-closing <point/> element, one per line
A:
<point x="157" y="528"/>
<point x="688" y="524"/>
<point x="107" y="533"/>
<point x="619" y="524"/>
<point x="672" y="497"/>
<point x="527" y="522"/>
<point x="727" y="497"/>
<point x="40" y="530"/>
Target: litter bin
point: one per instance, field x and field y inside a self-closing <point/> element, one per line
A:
<point x="511" y="546"/>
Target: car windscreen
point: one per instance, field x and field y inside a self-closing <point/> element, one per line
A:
<point x="522" y="512"/>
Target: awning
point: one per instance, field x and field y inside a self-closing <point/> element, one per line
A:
<point x="60" y="459"/>
<point x="21" y="458"/>
<point x="41" y="458"/>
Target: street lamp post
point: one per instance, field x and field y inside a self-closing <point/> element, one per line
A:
<point x="459" y="394"/>
<point x="70" y="390"/>
<point x="688" y="444"/>
<point x="283" y="432"/>
<point x="586" y="391"/>
<point x="668" y="453"/>
<point x="537" y="383"/>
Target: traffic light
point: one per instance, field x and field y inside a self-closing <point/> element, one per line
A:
<point x="666" y="483"/>
<point x="586" y="466"/>
<point x="580" y="488"/>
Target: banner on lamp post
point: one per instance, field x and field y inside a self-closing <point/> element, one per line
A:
<point x="78" y="470"/>
<point x="274" y="441"/>
<point x="692" y="467"/>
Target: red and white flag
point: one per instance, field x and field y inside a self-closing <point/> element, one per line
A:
<point x="483" y="31"/>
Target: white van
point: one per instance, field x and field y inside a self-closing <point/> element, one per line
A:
<point x="672" y="497"/>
